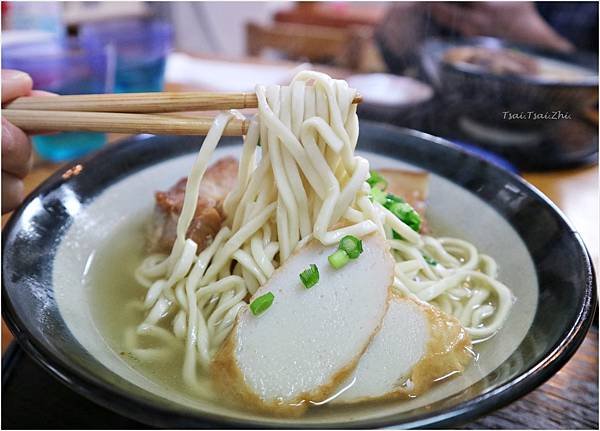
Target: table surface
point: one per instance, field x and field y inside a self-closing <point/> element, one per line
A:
<point x="570" y="398"/>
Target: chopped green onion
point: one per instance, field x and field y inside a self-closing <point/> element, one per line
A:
<point x="378" y="195"/>
<point x="351" y="245"/>
<point x="376" y="180"/>
<point x="407" y="214"/>
<point x="262" y="303"/>
<point x="391" y="198"/>
<point x="431" y="261"/>
<point x="396" y="235"/>
<point x="338" y="259"/>
<point x="310" y="276"/>
<point x="383" y="198"/>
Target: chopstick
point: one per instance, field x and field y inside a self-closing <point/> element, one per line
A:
<point x="129" y="113"/>
<point x="141" y="102"/>
<point x="72" y="121"/>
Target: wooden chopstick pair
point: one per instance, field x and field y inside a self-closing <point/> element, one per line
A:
<point x="129" y="113"/>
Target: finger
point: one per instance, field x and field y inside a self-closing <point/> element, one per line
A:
<point x="15" y="84"/>
<point x="13" y="192"/>
<point x="16" y="150"/>
<point x="41" y="93"/>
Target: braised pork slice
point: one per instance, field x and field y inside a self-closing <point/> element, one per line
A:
<point x="218" y="181"/>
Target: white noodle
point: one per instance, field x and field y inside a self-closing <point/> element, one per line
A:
<point x="307" y="184"/>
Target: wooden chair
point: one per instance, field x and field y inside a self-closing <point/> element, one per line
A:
<point x="333" y="14"/>
<point x="343" y="47"/>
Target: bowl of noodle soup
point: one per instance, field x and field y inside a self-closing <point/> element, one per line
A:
<point x="87" y="300"/>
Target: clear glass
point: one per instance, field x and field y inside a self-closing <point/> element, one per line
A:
<point x="141" y="48"/>
<point x="64" y="66"/>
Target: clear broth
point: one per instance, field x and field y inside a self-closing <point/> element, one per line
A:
<point x="112" y="287"/>
<point x="113" y="268"/>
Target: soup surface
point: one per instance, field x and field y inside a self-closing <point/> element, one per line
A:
<point x="107" y="262"/>
<point x="514" y="62"/>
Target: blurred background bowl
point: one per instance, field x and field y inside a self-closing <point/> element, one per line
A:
<point x="399" y="100"/>
<point x="481" y="103"/>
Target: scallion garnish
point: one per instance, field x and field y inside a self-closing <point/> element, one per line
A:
<point x="338" y="259"/>
<point x="262" y="303"/>
<point x="378" y="195"/>
<point x="398" y="206"/>
<point x="310" y="276"/>
<point x="431" y="261"/>
<point x="383" y="198"/>
<point x="391" y="198"/>
<point x="407" y="214"/>
<point x="351" y="245"/>
<point x="377" y="180"/>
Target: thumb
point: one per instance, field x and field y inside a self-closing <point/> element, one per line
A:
<point x="15" y="84"/>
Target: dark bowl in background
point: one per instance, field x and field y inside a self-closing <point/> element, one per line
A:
<point x="486" y="95"/>
<point x="417" y="99"/>
<point x="479" y="99"/>
<point x="412" y="116"/>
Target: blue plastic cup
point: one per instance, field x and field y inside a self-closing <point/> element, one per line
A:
<point x="141" y="48"/>
<point x="63" y="66"/>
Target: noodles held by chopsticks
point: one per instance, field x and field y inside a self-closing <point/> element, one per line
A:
<point x="307" y="183"/>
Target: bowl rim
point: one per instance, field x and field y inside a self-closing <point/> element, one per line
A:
<point x="113" y="398"/>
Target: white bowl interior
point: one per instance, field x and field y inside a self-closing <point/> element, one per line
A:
<point x="126" y="205"/>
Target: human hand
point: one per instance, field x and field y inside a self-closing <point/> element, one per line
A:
<point x="16" y="145"/>
<point x="515" y="21"/>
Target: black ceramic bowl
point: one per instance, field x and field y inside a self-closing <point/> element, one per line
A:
<point x="485" y="95"/>
<point x="49" y="242"/>
<point x="535" y="123"/>
<point x="398" y="100"/>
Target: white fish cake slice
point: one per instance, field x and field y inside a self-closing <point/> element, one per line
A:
<point x="416" y="346"/>
<point x="309" y="340"/>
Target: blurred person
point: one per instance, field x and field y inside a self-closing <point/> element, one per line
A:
<point x="16" y="144"/>
<point x="558" y="26"/>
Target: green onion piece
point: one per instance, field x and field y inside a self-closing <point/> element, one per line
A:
<point x="338" y="259"/>
<point x="351" y="245"/>
<point x="431" y="261"/>
<point x="391" y="198"/>
<point x="396" y="235"/>
<point x="262" y="303"/>
<point x="376" y="180"/>
<point x="378" y="195"/>
<point x="407" y="214"/>
<point x="310" y="276"/>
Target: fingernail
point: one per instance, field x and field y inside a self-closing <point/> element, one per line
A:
<point x="14" y="75"/>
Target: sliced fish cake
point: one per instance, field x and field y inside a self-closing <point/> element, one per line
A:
<point x="416" y="345"/>
<point x="309" y="340"/>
